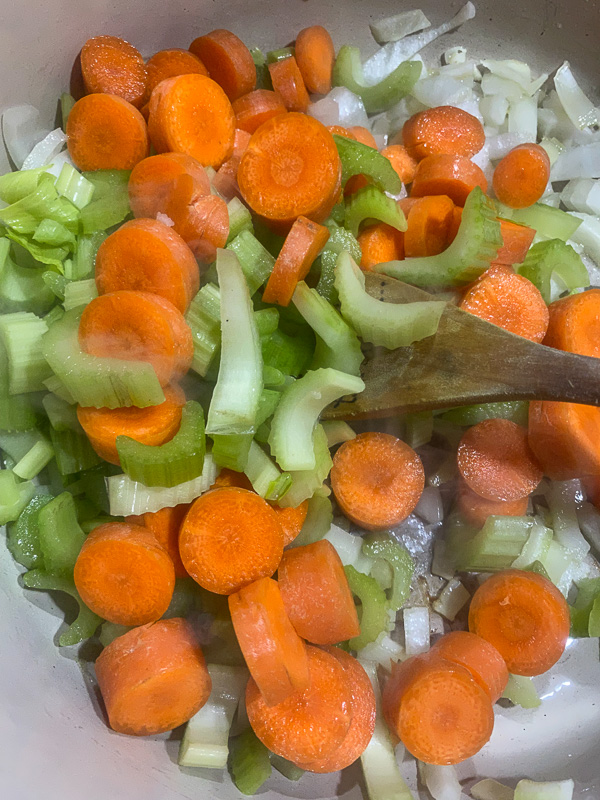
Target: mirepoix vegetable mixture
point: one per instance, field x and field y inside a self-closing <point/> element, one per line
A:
<point x="183" y="296"/>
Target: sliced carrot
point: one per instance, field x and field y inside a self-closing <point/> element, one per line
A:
<point x="481" y="658"/>
<point x="338" y="130"/>
<point x="316" y="594"/>
<point x="521" y="177"/>
<point x="403" y="163"/>
<point x="363" y="135"/>
<point x="170" y="63"/>
<point x="146" y="255"/>
<point x="289" y="85"/>
<point x="138" y="326"/>
<point x="291" y="168"/>
<point x="124" y="575"/>
<point x="525" y="617"/>
<point x="225" y="181"/>
<point x="153" y="425"/>
<point x="228" y="61"/>
<point x="315" y="55"/>
<point x="106" y="132"/>
<point x="377" y="480"/>
<point x="111" y="65"/>
<point x="302" y="245"/>
<point x="154" y="180"/>
<point x="454" y="223"/>
<point x="291" y="520"/>
<point x="496" y="461"/>
<point x="428" y="224"/>
<point x="228" y="477"/>
<point x="380" y="243"/>
<point x="516" y="241"/>
<point x="575" y="324"/>
<point x="454" y="176"/>
<point x="508" y="300"/>
<point x="203" y="224"/>
<point x="191" y="114"/>
<point x="256" y="107"/>
<point x="308" y="725"/>
<point x="153" y="678"/>
<point x="275" y="654"/>
<point x="363" y="709"/>
<point x="407" y="204"/>
<point x="443" y="130"/>
<point x="476" y="509"/>
<point x="564" y="438"/>
<point x="165" y="524"/>
<point x="230" y="538"/>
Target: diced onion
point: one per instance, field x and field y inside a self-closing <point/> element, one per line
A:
<point x="46" y="150"/>
<point x="582" y="194"/>
<point x="22" y="129"/>
<point x="455" y="55"/>
<point x="502" y="144"/>
<point x="436" y="90"/>
<point x="383" y="651"/>
<point x="430" y="507"/>
<point x="588" y="235"/>
<point x="441" y="781"/>
<point x="349" y="549"/>
<point x="452" y="599"/>
<point x="578" y="107"/>
<point x="392" y="29"/>
<point x="522" y="118"/>
<point x="493" y="84"/>
<point x="489" y="789"/>
<point x="416" y="630"/>
<point x="579" y="162"/>
<point x="340" y="107"/>
<point x="550" y="790"/>
<point x="493" y="108"/>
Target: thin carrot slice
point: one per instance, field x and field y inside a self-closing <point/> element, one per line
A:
<point x="106" y="132"/>
<point x="219" y="542"/>
<point x="165" y="525"/>
<point x="275" y="654"/>
<point x="516" y="241"/>
<point x="496" y="461"/>
<point x="153" y="425"/>
<point x="309" y="724"/>
<point x="481" y="658"/>
<point x="191" y="114"/>
<point x="521" y="177"/>
<point x="380" y="243"/>
<point x="315" y="55"/>
<point x="564" y="438"/>
<point x="363" y="135"/>
<point x="148" y="256"/>
<point x="203" y="225"/>
<point x="228" y="61"/>
<point x="124" y="575"/>
<point x="525" y="617"/>
<point x="225" y="181"/>
<point x="154" y="180"/>
<point x="402" y="162"/>
<point x="454" y="223"/>
<point x="443" y="130"/>
<point x="476" y="509"/>
<point x="316" y="594"/>
<point x="428" y="224"/>
<point x="281" y="176"/>
<point x="454" y="176"/>
<point x="291" y="520"/>
<point x="302" y="245"/>
<point x="170" y="63"/>
<point x="289" y="85"/>
<point x="575" y="324"/>
<point x="153" y="678"/>
<point x="138" y="326"/>
<point x="508" y="300"/>
<point x="111" y="65"/>
<point x="256" y="107"/>
<point x="377" y="480"/>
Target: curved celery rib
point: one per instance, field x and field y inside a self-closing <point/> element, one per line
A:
<point x="23" y="538"/>
<point x="204" y="318"/>
<point x="340" y="239"/>
<point x="60" y="535"/>
<point x="22" y="334"/>
<point x="21" y="288"/>
<point x="553" y="257"/>
<point x="471" y="253"/>
<point x="373" y="616"/>
<point x="359" y="159"/>
<point x="371" y="203"/>
<point x="93" y="381"/>
<point x="308" y="483"/>
<point x="381" y="545"/>
<point x="298" y="411"/>
<point x="265" y="476"/>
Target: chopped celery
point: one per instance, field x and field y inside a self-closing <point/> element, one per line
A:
<point x="240" y="218"/>
<point x="21" y="288"/>
<point x="418" y="428"/>
<point x="536" y="546"/>
<point x="562" y="501"/>
<point x="348" y="546"/>
<point x="23" y="538"/>
<point x="265" y="476"/>
<point x="359" y="159"/>
<point x="14" y="186"/>
<point x="56" y="283"/>
<point x="231" y="450"/>
<point x="55" y="313"/>
<point x="54" y="234"/>
<point x="204" y="318"/>
<point x="549" y="222"/>
<point x="554" y="257"/>
<point x="383" y="546"/>
<point x="21" y="333"/>
<point x="280" y="55"/>
<point x="249" y="762"/>
<point x="44" y="254"/>
<point x="286" y="768"/>
<point x="16" y="444"/>
<point x="14" y="496"/>
<point x="586" y="610"/>
<point x="317" y="521"/>
<point x="558" y="564"/>
<point x="255" y="260"/>
<point x="84" y="258"/>
<point x="57" y="387"/>
<point x="111" y="200"/>
<point x="549" y="790"/>
<point x="306" y="482"/>
<point x="339" y="240"/>
<point x="298" y="411"/>
<point x="495" y="547"/>
<point x="73" y="451"/>
<point x="267" y="321"/>
<point x="515" y="410"/>
<point x="16" y="411"/>
<point x="72" y="185"/>
<point x="34" y="461"/>
<point x="274" y="378"/>
<point x="79" y="293"/>
<point x="24" y="215"/>
<point x="288" y="354"/>
<point x="521" y="692"/>
<point x="338" y="432"/>
<point x="373" y="607"/>
<point x="60" y="536"/>
<point x="371" y="203"/>
<point x="451" y="600"/>
<point x="67" y="101"/>
<point x="263" y="76"/>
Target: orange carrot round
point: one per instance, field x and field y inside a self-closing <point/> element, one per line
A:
<point x="454" y="176"/>
<point x="228" y="477"/>
<point x="275" y="654"/>
<point x="256" y="107"/>
<point x="111" y="65"/>
<point x="521" y="177"/>
<point x="496" y="461"/>
<point x="124" y="575"/>
<point x="574" y="324"/>
<point x="228" y="61"/>
<point x="377" y="480"/>
<point x="106" y="132"/>
<point x="525" y="617"/>
<point x="165" y="524"/>
<point x="225" y="181"/>
<point x="315" y="55"/>
<point x="516" y="241"/>
<point x="483" y="661"/>
<point x="454" y="223"/>
<point x="155" y="180"/>
<point x="443" y="130"/>
<point x="338" y="130"/>
<point x="153" y="678"/>
<point x="170" y="63"/>
<point x="291" y="520"/>
<point x="403" y="163"/>
<point x="203" y="225"/>
<point x="138" y="326"/>
<point x="363" y="135"/>
<point x="289" y="85"/>
<point x="564" y="438"/>
<point x="230" y="538"/>
<point x="316" y="594"/>
<point x="476" y="509"/>
<point x="428" y="224"/>
<point x="380" y="243"/>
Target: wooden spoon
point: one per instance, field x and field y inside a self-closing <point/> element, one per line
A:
<point x="468" y="361"/>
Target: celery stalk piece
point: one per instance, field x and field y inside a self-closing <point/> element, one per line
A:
<point x="521" y="691"/>
<point x="73" y="451"/>
<point x="349" y="549"/>
<point x="279" y="55"/>
<point x="548" y="222"/>
<point x="536" y="546"/>
<point x="558" y="564"/>
<point x="286" y="768"/>
<point x="205" y="739"/>
<point x="79" y="293"/>
<point x="515" y="410"/>
<point x="495" y="547"/>
<point x="72" y="185"/>
<point x="317" y="522"/>
<point x="550" y="790"/>
<point x="337" y="432"/>
<point x="298" y="411"/>
<point x="267" y="321"/>
<point x="305" y="483"/>
<point x="111" y="631"/>
<point x="418" y="428"/>
<point x="339" y="240"/>
<point x="237" y="392"/>
<point x="240" y="218"/>
<point x="231" y="450"/>
<point x="371" y="203"/>
<point x="84" y="258"/>
<point x="14" y="186"/>
<point x="17" y="444"/>
<point x="14" y="496"/>
<point x="288" y="354"/>
<point x="61" y="537"/>
<point x="383" y="546"/>
<point x="23" y="537"/>
<point x="21" y="334"/>
<point x="57" y="387"/>
<point x="373" y="609"/>
<point x="16" y="411"/>
<point x="249" y="762"/>
<point x="254" y="259"/>
<point x="21" y="288"/>
<point x="54" y="234"/>
<point x="110" y="203"/>
<point x="265" y="476"/>
<point x="67" y="101"/>
<point x="554" y="257"/>
<point x="35" y="460"/>
<point x="585" y="612"/>
<point x="204" y="318"/>
<point x="359" y="159"/>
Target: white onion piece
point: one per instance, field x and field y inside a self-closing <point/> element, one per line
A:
<point x="547" y="790"/>
<point x="503" y="143"/>
<point x="578" y="107"/>
<point x="452" y="598"/>
<point x="582" y="194"/>
<point x="493" y="108"/>
<point x="46" y="150"/>
<point x="430" y="507"/>
<point x="522" y="118"/>
<point x="578" y="162"/>
<point x="493" y="84"/>
<point x="489" y="789"/>
<point x="436" y="91"/>
<point x="392" y="29"/>
<point x="58" y="163"/>
<point x="588" y="235"/>
<point x="441" y="781"/>
<point x="349" y="549"/>
<point x="416" y="630"/>
<point x="550" y="199"/>
<point x="166" y="220"/>
<point x="455" y="55"/>
<point x="22" y="129"/>
<point x="553" y="148"/>
<point x="326" y="110"/>
<point x="380" y="140"/>
<point x="340" y="107"/>
<point x="512" y="70"/>
<point x="471" y="105"/>
<point x="384" y="651"/>
<point x="466" y="70"/>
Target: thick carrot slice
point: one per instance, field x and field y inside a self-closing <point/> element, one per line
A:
<point x="455" y="176"/>
<point x="525" y="617"/>
<point x="454" y="223"/>
<point x="124" y="575"/>
<point x="564" y="438"/>
<point x="191" y="114"/>
<point x="521" y="177"/>
<point x="316" y="594"/>
<point x="407" y="204"/>
<point x="363" y="135"/>
<point x="153" y="678"/>
<point x="516" y="241"/>
<point x="508" y="300"/>
<point x="377" y="480"/>
<point x="230" y="538"/>
<point x="256" y="107"/>
<point x="275" y="654"/>
<point x="575" y="324"/>
<point x="106" y="132"/>
<point x="154" y="180"/>
<point x="153" y="425"/>
<point x="402" y="162"/>
<point x="170" y="63"/>
<point x="428" y="223"/>
<point x="291" y="168"/>
<point x="302" y="245"/>
<point x="476" y="509"/>
<point x="148" y="256"/>
<point x="315" y="55"/>
<point x="363" y="717"/>
<point x="309" y="724"/>
<point x="496" y="461"/>
<point x="380" y="243"/>
<point x="165" y="525"/>
<point x="228" y="61"/>
<point x="225" y="181"/>
<point x="110" y="65"/>
<point x="291" y="520"/>
<point x="443" y="130"/>
<point x="228" y="477"/>
<point x="138" y="326"/>
<point x="203" y="224"/>
<point x="289" y="85"/>
<point x="483" y="661"/>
